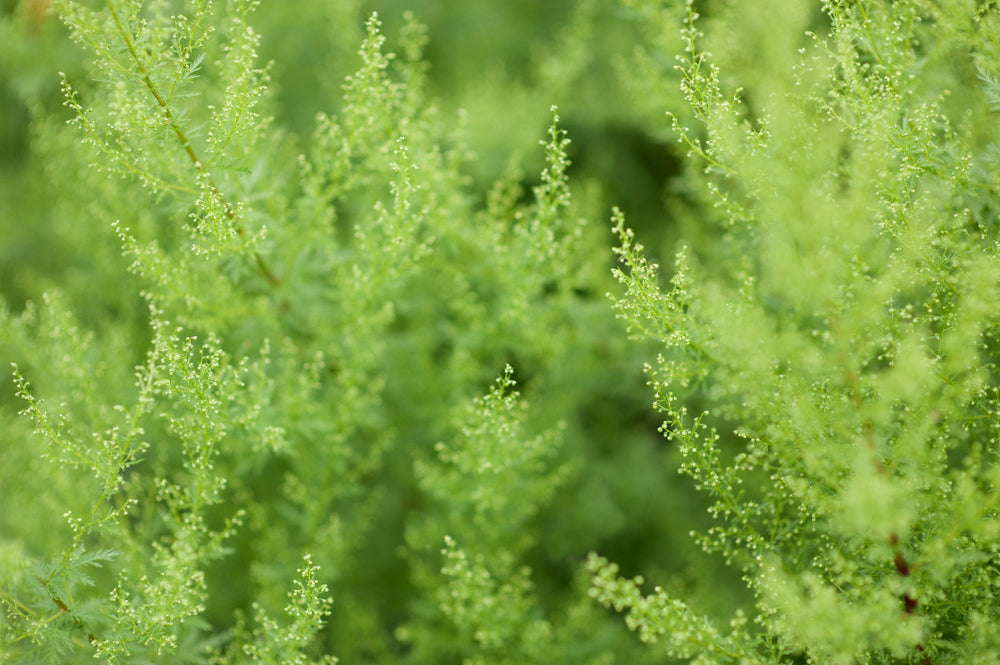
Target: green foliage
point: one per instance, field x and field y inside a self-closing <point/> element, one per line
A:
<point x="307" y="608"/>
<point x="844" y="328"/>
<point x="248" y="353"/>
<point x="660" y="618"/>
<point x="271" y="275"/>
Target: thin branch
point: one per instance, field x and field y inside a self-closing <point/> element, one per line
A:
<point x="186" y="143"/>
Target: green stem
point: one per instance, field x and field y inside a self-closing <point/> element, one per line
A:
<point x="262" y="266"/>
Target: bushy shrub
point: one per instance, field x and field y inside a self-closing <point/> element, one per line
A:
<point x="842" y="323"/>
<point x="307" y="366"/>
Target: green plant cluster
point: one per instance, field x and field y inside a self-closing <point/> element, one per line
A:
<point x="323" y="350"/>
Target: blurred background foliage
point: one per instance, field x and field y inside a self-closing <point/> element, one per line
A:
<point x="499" y="67"/>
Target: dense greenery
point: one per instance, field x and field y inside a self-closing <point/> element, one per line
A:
<point x="323" y="347"/>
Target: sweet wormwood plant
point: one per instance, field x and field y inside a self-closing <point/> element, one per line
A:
<point x="281" y="426"/>
<point x="844" y="327"/>
<point x="251" y="439"/>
